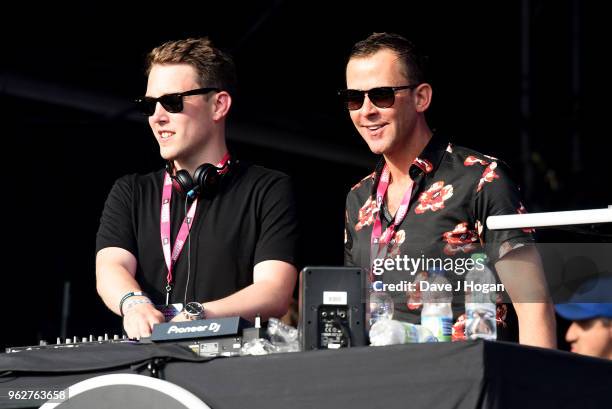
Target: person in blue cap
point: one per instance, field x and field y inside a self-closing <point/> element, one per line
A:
<point x="590" y="310"/>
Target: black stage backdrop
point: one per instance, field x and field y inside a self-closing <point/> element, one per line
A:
<point x="519" y="80"/>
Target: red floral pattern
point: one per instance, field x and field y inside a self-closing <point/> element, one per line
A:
<point x="488" y="175"/>
<point x="433" y="199"/>
<point x="367" y="214"/>
<point x="460" y="239"/>
<point x="472" y="160"/>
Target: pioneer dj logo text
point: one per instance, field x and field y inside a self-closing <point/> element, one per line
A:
<point x="212" y="327"/>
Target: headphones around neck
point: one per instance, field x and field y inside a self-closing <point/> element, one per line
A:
<point x="205" y="181"/>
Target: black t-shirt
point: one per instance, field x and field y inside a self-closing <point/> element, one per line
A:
<point x="251" y="218"/>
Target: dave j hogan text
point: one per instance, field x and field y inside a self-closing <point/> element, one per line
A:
<point x="466" y="286"/>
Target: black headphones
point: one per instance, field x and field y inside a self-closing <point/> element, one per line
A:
<point x="205" y="181"/>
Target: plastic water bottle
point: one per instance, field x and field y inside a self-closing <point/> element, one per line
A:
<point x="437" y="314"/>
<point x="380" y="306"/>
<point x="390" y="332"/>
<point x="480" y="308"/>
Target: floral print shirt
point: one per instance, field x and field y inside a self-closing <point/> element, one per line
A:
<point x="455" y="190"/>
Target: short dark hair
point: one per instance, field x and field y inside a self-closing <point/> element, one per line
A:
<point x="214" y="67"/>
<point x="414" y="63"/>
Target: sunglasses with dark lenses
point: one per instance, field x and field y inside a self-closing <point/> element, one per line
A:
<point x="172" y="103"/>
<point x="382" y="97"/>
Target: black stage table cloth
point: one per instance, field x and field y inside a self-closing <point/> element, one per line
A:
<point x="439" y="375"/>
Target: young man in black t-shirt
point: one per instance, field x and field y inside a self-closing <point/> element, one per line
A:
<point x="209" y="232"/>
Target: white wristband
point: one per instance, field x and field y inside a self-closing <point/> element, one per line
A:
<point x="130" y="303"/>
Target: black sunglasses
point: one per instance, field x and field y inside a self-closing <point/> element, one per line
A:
<point x="382" y="97"/>
<point x="172" y="103"/>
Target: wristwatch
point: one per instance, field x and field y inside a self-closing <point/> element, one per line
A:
<point x="193" y="311"/>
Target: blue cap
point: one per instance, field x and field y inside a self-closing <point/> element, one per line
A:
<point x="593" y="299"/>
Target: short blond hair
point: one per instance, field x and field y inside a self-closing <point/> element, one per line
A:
<point x="215" y="67"/>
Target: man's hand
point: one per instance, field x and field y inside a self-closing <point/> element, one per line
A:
<point x="180" y="317"/>
<point x="138" y="320"/>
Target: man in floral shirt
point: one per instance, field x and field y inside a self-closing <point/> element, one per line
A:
<point x="428" y="198"/>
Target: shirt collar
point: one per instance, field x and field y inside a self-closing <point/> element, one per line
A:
<point x="427" y="161"/>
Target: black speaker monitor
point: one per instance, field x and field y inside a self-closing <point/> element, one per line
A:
<point x="332" y="311"/>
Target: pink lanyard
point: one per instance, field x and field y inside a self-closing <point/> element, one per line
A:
<point x="172" y="256"/>
<point x="381" y="239"/>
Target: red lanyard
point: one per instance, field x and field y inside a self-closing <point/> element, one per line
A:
<point x="171" y="256"/>
<point x="379" y="239"/>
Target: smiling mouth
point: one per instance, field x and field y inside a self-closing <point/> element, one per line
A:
<point x="165" y="134"/>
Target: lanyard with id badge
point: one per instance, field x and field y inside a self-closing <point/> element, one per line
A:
<point x="380" y="240"/>
<point x="171" y="255"/>
<point x="381" y="305"/>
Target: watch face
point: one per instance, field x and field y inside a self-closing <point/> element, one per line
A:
<point x="193" y="308"/>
